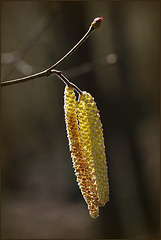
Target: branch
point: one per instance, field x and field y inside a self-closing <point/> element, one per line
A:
<point x="66" y="81"/>
<point x="49" y="71"/>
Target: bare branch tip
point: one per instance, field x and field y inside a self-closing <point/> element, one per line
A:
<point x="96" y="22"/>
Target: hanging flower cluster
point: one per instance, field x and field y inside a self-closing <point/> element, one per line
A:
<point x="87" y="148"/>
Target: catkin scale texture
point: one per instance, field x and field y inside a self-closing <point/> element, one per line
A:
<point x="86" y="180"/>
<point x="91" y="135"/>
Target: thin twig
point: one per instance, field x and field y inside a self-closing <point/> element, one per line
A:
<point x="48" y="71"/>
<point x="73" y="49"/>
<point x="24" y="79"/>
<point x="94" y="25"/>
<point x="66" y="81"/>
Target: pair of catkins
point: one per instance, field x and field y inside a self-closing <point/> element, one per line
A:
<point x="87" y="148"/>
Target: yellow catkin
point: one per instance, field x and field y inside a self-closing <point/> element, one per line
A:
<point x="85" y="179"/>
<point x="91" y="135"/>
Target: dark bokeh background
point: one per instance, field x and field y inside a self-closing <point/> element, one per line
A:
<point x="119" y="66"/>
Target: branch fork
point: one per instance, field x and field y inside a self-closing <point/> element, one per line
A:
<point x="51" y="70"/>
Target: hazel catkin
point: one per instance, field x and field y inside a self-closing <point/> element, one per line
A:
<point x="91" y="135"/>
<point x="86" y="142"/>
<point x="80" y="164"/>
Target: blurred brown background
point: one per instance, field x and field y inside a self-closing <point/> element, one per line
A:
<point x="119" y="66"/>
